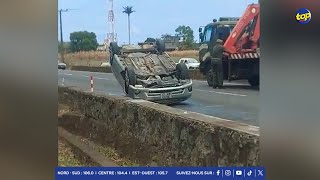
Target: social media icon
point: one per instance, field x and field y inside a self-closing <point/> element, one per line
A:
<point x="227" y="173"/>
<point x="239" y="173"/>
<point x="249" y="173"/>
<point x="260" y="172"/>
<point x="218" y="173"/>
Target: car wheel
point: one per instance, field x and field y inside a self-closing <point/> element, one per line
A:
<point x="182" y="71"/>
<point x="160" y="46"/>
<point x="129" y="78"/>
<point x="254" y="80"/>
<point x="114" y="48"/>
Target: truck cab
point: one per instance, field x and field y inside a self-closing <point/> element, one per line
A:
<point x="218" y="29"/>
<point x="208" y="35"/>
<point x="241" y="41"/>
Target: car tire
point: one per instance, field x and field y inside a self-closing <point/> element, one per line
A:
<point x="160" y="46"/>
<point x="254" y="80"/>
<point x="209" y="77"/>
<point x="182" y="71"/>
<point x="129" y="78"/>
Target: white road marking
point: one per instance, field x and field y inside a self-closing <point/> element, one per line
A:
<point x="102" y="73"/>
<point x="225" y="93"/>
<point x="65" y="74"/>
<point x="225" y="83"/>
<point x="215" y="106"/>
<point x="101" y="78"/>
<point x="235" y="84"/>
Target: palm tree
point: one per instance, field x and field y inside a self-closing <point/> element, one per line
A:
<point x="128" y="10"/>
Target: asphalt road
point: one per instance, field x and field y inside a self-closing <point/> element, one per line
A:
<point x="237" y="102"/>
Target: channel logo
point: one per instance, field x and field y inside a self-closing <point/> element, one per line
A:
<point x="303" y="16"/>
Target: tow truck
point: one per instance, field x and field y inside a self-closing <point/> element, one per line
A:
<point x="241" y="42"/>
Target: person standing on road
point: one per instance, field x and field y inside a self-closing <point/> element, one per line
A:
<point x="216" y="64"/>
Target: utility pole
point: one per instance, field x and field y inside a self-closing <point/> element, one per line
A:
<point x="61" y="33"/>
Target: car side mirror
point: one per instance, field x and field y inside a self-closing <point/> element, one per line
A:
<point x="200" y="30"/>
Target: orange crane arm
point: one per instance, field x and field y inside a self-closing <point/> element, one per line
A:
<point x="246" y="30"/>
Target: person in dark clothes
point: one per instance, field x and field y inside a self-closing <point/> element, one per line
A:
<point x="216" y="62"/>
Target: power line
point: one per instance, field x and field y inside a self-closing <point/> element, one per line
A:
<point x="61" y="33"/>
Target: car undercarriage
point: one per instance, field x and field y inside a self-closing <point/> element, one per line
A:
<point x="146" y="71"/>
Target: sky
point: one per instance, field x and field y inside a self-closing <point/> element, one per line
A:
<point x="151" y="18"/>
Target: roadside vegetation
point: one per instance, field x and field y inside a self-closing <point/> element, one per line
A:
<point x="82" y="47"/>
<point x="66" y="158"/>
<point x="95" y="58"/>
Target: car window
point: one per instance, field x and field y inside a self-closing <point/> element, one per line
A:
<point x="193" y="61"/>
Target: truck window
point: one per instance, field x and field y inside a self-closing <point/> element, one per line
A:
<point x="223" y="32"/>
<point x="207" y="34"/>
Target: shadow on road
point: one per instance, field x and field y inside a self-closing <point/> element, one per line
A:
<point x="179" y="104"/>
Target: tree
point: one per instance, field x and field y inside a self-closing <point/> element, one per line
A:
<point x="187" y="34"/>
<point x="128" y="10"/>
<point x="83" y="41"/>
<point x="66" y="47"/>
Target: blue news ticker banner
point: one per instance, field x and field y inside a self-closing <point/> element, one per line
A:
<point x="141" y="173"/>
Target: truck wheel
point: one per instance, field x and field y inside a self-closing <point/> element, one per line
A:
<point x="114" y="48"/>
<point x="254" y="80"/>
<point x="160" y="46"/>
<point x="129" y="78"/>
<point x="182" y="71"/>
<point x="209" y="76"/>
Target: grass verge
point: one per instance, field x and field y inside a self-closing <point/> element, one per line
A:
<point x="66" y="158"/>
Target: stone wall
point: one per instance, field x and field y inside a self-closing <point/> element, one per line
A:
<point x="150" y="133"/>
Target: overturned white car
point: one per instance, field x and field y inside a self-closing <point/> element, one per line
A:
<point x="145" y="71"/>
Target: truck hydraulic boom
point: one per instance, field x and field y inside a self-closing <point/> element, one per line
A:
<point x="246" y="33"/>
